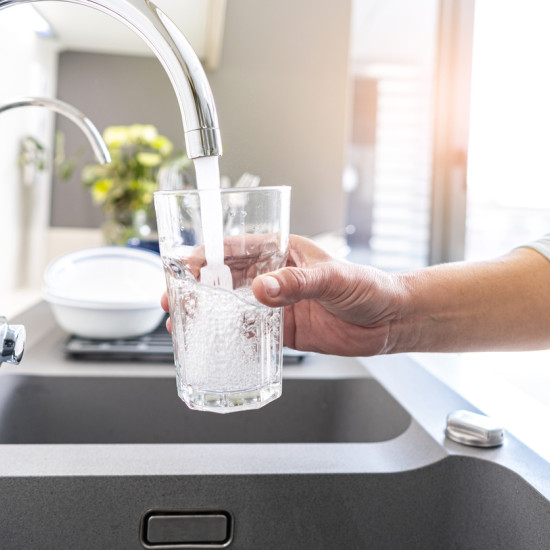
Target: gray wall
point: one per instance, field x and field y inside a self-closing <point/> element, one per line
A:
<point x="109" y="89"/>
<point x="280" y="91"/>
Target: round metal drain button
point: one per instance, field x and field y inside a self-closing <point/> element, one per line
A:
<point x="476" y="430"/>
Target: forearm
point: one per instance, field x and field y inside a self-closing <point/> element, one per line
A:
<point x="497" y="305"/>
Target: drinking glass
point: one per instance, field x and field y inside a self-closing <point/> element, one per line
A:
<point x="227" y="346"/>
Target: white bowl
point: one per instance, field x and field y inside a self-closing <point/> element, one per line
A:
<point x="106" y="292"/>
<point x="104" y="323"/>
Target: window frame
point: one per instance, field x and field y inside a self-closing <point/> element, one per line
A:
<point x="451" y="130"/>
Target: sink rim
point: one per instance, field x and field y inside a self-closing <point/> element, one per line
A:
<point x="161" y="459"/>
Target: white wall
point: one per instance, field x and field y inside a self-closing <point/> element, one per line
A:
<point x="28" y="66"/>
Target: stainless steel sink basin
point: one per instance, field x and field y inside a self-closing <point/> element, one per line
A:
<point x="101" y="455"/>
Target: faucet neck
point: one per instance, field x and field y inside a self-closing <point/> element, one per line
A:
<point x="200" y="119"/>
<point x="99" y="148"/>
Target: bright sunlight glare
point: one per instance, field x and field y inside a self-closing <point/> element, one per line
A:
<point x="509" y="151"/>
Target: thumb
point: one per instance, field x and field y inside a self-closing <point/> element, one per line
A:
<point x="292" y="284"/>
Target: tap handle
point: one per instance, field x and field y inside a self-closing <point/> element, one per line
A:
<point x="13" y="339"/>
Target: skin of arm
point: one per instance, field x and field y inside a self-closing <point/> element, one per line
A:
<point x="333" y="306"/>
<point x="497" y="305"/>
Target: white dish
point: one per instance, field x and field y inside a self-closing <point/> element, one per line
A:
<point x="106" y="324"/>
<point x="106" y="292"/>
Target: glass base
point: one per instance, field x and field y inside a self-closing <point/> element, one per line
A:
<point x="227" y="402"/>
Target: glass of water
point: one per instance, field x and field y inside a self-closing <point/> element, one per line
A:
<point x="227" y="346"/>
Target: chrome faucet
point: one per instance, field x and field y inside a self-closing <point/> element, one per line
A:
<point x="80" y="119"/>
<point x="13" y="337"/>
<point x="200" y="120"/>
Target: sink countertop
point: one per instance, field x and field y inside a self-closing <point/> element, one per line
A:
<point x="408" y="381"/>
<point x="517" y="410"/>
<point x="425" y="397"/>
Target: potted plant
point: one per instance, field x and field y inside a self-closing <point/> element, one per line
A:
<point x="125" y="186"/>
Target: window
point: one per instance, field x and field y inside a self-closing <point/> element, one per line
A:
<point x="391" y="144"/>
<point x="509" y="151"/>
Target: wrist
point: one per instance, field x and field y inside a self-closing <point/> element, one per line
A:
<point x="410" y="329"/>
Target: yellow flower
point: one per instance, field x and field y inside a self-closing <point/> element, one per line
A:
<point x="115" y="136"/>
<point x="149" y="159"/>
<point x="143" y="132"/>
<point x="100" y="190"/>
<point x="128" y="182"/>
<point x="92" y="173"/>
<point x="163" y="145"/>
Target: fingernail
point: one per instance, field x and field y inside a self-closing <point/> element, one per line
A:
<point x="272" y="286"/>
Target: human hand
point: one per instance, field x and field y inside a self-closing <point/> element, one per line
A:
<point x="332" y="306"/>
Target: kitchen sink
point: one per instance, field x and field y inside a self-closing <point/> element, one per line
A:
<point x="353" y="455"/>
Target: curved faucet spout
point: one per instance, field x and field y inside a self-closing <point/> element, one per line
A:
<point x="200" y="120"/>
<point x="80" y="119"/>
